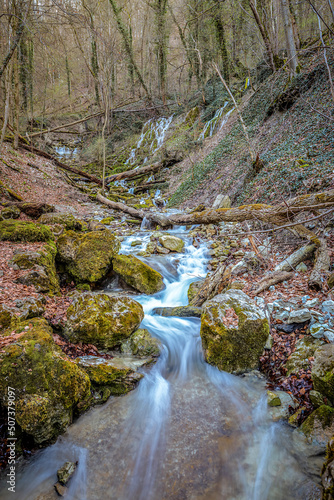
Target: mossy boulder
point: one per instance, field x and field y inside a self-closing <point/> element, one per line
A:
<point x="193" y="290"/>
<point x="11" y="212"/>
<point x="172" y="243"/>
<point x="108" y="380"/>
<point x="102" y="320"/>
<point x="42" y="268"/>
<point x="304" y="349"/>
<point x="87" y="257"/>
<point x="319" y="426"/>
<point x="7" y="316"/>
<point x="30" y="308"/>
<point x="137" y="274"/>
<point x="327" y="473"/>
<point x="323" y="371"/>
<point x="142" y="344"/>
<point x="49" y="388"/>
<point x="64" y="219"/>
<point x="19" y="230"/>
<point x="233" y="331"/>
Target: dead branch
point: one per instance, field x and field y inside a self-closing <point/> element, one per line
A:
<point x="34" y="210"/>
<point x="303" y="253"/>
<point x="273" y="279"/>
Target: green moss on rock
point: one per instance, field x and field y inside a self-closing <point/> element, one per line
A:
<point x="304" y="349"/>
<point x="102" y="320"/>
<point x="233" y="331"/>
<point x="87" y="257"/>
<point x="142" y="344"/>
<point x="67" y="220"/>
<point x="319" y="425"/>
<point x="193" y="289"/>
<point x="323" y="371"/>
<point x="11" y="212"/>
<point x="48" y="386"/>
<point x="43" y="273"/>
<point x="172" y="243"/>
<point x="137" y="274"/>
<point x="7" y="315"/>
<point x="18" y="230"/>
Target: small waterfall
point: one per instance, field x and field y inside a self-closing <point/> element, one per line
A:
<point x="152" y="136"/>
<point x="211" y="126"/>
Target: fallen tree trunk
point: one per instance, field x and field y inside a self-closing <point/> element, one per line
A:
<point x="214" y="284"/>
<point x="149" y="169"/>
<point x="74" y="170"/>
<point x="273" y="279"/>
<point x="268" y="214"/>
<point x="296" y="258"/>
<point x="148" y="185"/>
<point x="321" y="267"/>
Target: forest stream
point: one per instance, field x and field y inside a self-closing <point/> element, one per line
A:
<point x="189" y="431"/>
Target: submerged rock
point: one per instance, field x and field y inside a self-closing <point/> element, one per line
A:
<point x="142" y="344"/>
<point x="65" y="219"/>
<point x="233" y="331"/>
<point x="138" y="274"/>
<point x="49" y="387"/>
<point x="172" y="243"/>
<point x="180" y="311"/>
<point x="87" y="257"/>
<point x="102" y="320"/>
<point x="65" y="473"/>
<point x="19" y="230"/>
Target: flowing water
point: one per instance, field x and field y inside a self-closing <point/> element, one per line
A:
<point x="188" y="431"/>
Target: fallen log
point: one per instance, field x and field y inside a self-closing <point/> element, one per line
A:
<point x="213" y="284"/>
<point x="148" y="185"/>
<point x="149" y="169"/>
<point x="296" y="258"/>
<point x="321" y="267"/>
<point x="74" y="170"/>
<point x="268" y="214"/>
<point x="34" y="210"/>
<point x="273" y="279"/>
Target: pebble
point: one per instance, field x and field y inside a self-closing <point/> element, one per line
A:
<point x="328" y="306"/>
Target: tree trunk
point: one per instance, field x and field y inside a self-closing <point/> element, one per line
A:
<point x="289" y="38"/>
<point x="222" y="46"/>
<point x="264" y="35"/>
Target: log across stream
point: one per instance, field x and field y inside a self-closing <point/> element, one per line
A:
<point x="188" y="431"/>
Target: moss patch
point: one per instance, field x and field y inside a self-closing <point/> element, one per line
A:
<point x="137" y="274"/>
<point x="18" y="230"/>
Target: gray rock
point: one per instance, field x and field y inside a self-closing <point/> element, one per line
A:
<point x="312" y="303"/>
<point x="181" y="311"/>
<point x="317" y="330"/>
<point x="222" y="201"/>
<point x="301" y="268"/>
<point x="65" y="473"/>
<point x="329" y="335"/>
<point x="299" y="316"/>
<point x="328" y="306"/>
<point x="282" y="412"/>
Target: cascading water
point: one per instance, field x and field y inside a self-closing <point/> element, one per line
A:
<point x="188" y="431"/>
<point x="152" y="137"/>
<point x="212" y="125"/>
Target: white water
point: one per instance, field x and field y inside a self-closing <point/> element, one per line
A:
<point x="152" y="136"/>
<point x="188" y="431"/>
<point x="218" y="119"/>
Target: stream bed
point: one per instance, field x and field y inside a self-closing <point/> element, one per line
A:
<point x="188" y="431"/>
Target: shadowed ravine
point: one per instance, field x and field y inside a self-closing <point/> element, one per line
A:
<point x="187" y="432"/>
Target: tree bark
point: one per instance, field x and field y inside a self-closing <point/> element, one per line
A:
<point x="321" y="267"/>
<point x="264" y="35"/>
<point x="273" y="279"/>
<point x="289" y="38"/>
<point x="138" y="172"/>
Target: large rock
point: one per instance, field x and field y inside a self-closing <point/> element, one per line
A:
<point x="222" y="201"/>
<point x="87" y="257"/>
<point x="172" y="243"/>
<point x="7" y="315"/>
<point x="327" y="472"/>
<point x="180" y="311"/>
<point x="49" y="387"/>
<point x="42" y="269"/>
<point x="137" y="274"/>
<point x="65" y="219"/>
<point x="234" y="332"/>
<point x="19" y="230"/>
<point x="304" y="349"/>
<point x="142" y="344"/>
<point x="102" y="320"/>
<point x="107" y="379"/>
<point x="319" y="426"/>
<point x="323" y="371"/>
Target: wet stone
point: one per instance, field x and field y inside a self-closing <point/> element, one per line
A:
<point x="65" y="473"/>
